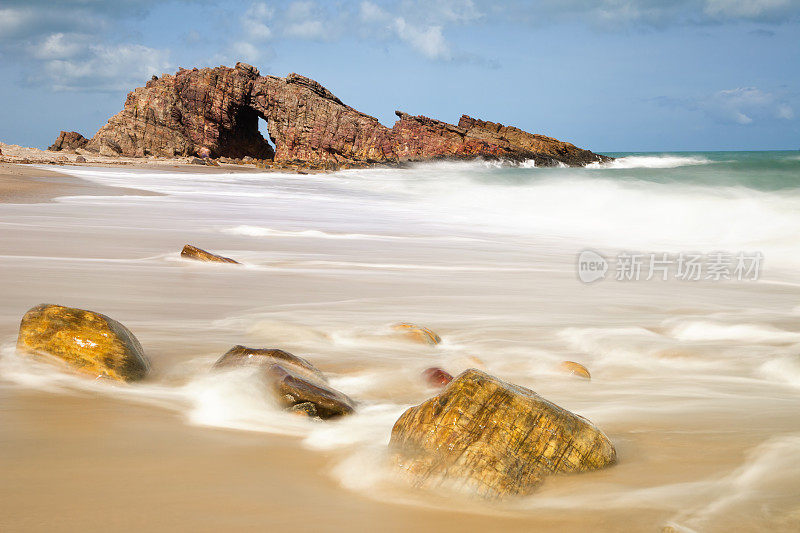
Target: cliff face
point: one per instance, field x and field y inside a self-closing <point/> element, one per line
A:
<point x="215" y="111"/>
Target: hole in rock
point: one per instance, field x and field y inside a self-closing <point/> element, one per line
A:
<point x="262" y="129"/>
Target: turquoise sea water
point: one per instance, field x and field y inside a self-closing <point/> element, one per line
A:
<point x="768" y="171"/>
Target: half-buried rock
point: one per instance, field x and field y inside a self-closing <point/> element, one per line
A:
<point x="89" y="342"/>
<point x="575" y="369"/>
<point x="418" y="333"/>
<point x="496" y="439"/>
<point x="297" y="384"/>
<point x="193" y="252"/>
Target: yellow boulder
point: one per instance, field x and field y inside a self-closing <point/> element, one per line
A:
<point x="89" y="342"/>
<point x="493" y="438"/>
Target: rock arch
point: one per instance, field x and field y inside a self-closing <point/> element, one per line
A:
<point x="216" y="111"/>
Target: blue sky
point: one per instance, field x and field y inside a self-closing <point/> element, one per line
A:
<point x="609" y="75"/>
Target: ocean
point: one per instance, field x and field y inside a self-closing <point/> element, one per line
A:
<point x="696" y="379"/>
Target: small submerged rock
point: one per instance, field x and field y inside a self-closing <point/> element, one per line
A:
<point x="576" y="369"/>
<point x="198" y="254"/>
<point x="436" y="377"/>
<point x="297" y="384"/>
<point x="87" y="341"/>
<point x="496" y="439"/>
<point x="418" y="333"/>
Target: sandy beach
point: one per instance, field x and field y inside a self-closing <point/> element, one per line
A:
<point x="698" y="395"/>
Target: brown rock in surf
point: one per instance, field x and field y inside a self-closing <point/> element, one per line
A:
<point x="493" y="438"/>
<point x="198" y="254"/>
<point x="88" y="342"/>
<point x="436" y="377"/>
<point x="214" y="112"/>
<point x="297" y="384"/>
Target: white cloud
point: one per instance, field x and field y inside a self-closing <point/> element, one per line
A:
<point x="744" y="8"/>
<point x="746" y="105"/>
<point x="429" y="41"/>
<point x="257" y="30"/>
<point x="105" y="67"/>
<point x="307" y="29"/>
<point x="260" y="11"/>
<point x="785" y="112"/>
<point x="59" y="46"/>
<point x="254" y="22"/>
<point x="458" y="11"/>
<point x="370" y="13"/>
<point x="244" y="51"/>
<point x="12" y="20"/>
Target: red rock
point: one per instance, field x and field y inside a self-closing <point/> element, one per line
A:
<point x="436" y="377"/>
<point x="68" y="140"/>
<point x="214" y="112"/>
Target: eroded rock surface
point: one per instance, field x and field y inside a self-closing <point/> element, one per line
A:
<point x="68" y="140"/>
<point x="214" y="112"/>
<point x="297" y="384"/>
<point x="198" y="254"/>
<point x="493" y="438"/>
<point x="87" y="341"/>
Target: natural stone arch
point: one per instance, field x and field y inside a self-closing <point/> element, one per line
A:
<point x="215" y="111"/>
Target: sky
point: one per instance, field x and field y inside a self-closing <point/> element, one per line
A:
<point x="608" y="75"/>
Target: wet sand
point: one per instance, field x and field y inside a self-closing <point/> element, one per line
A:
<point x="26" y="184"/>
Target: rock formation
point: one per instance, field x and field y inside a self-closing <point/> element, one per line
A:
<point x="214" y="112"/>
<point x="198" y="254"/>
<point x="69" y="140"/>
<point x="295" y="382"/>
<point x="89" y="342"/>
<point x="485" y="435"/>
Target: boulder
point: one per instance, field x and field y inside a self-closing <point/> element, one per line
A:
<point x="493" y="438"/>
<point x="193" y="252"/>
<point x="297" y="384"/>
<point x="80" y="159"/>
<point x="436" y="377"/>
<point x="239" y="356"/>
<point x="418" y="333"/>
<point x="87" y="341"/>
<point x="68" y="140"/>
<point x="575" y="369"/>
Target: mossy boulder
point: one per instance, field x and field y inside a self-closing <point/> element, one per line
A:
<point x="296" y="383"/>
<point x="496" y="439"/>
<point x="89" y="342"/>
